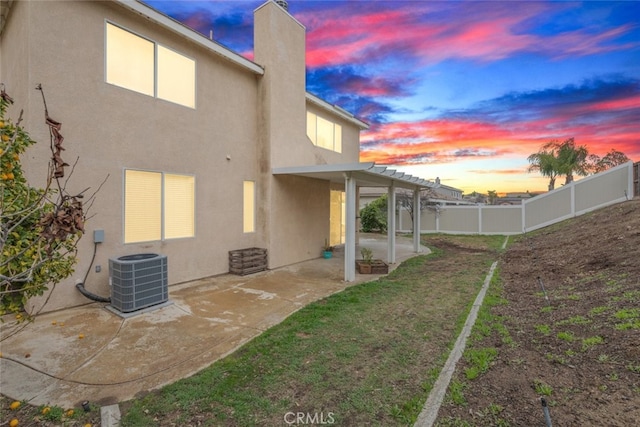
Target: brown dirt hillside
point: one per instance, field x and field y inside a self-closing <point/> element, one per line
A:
<point x="578" y="347"/>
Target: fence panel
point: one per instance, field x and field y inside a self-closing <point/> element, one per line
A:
<point x="428" y="222"/>
<point x="460" y="219"/>
<point x="606" y="188"/>
<point x="547" y="208"/>
<point x="501" y="219"/>
<point x="603" y="189"/>
<point x="636" y="179"/>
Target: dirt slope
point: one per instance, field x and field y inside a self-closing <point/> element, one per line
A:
<point x="581" y="346"/>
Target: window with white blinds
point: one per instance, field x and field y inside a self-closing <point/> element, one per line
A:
<point x="176" y="77"/>
<point x="179" y="206"/>
<point x="158" y="206"/>
<point x="139" y="64"/>
<point x="249" y="207"/>
<point x="324" y="133"/>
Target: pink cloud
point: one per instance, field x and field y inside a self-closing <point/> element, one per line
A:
<point x="498" y="171"/>
<point x="445" y="140"/>
<point x="487" y="35"/>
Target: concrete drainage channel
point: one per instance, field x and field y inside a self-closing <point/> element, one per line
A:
<point x="110" y="415"/>
<point x="431" y="407"/>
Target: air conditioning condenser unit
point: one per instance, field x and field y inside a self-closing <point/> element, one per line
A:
<point x="138" y="281"/>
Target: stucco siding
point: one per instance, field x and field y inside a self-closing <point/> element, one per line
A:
<point x="14" y="58"/>
<point x="300" y="214"/>
<point x="111" y="129"/>
<point x="249" y="118"/>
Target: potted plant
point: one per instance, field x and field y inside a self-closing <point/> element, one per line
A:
<point x="364" y="265"/>
<point x="327" y="250"/>
<point x="368" y="265"/>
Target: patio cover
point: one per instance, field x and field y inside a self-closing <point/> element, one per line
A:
<point x="354" y="175"/>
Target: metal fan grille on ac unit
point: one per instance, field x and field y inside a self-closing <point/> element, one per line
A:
<point x="138" y="281"/>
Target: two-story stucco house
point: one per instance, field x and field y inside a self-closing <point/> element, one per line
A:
<point x="205" y="151"/>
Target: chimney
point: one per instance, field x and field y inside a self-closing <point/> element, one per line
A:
<point x="438" y="180"/>
<point x="283" y="4"/>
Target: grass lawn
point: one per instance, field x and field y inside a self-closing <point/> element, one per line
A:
<point x="365" y="356"/>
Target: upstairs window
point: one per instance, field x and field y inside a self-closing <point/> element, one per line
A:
<point x="141" y="65"/>
<point x="324" y="133"/>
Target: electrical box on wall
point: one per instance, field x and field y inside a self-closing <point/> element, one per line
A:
<point x="98" y="236"/>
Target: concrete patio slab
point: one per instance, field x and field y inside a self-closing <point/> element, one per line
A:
<point x="90" y="353"/>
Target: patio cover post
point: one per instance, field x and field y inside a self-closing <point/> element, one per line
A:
<point x="391" y="223"/>
<point x="350" y="228"/>
<point x="416" y="220"/>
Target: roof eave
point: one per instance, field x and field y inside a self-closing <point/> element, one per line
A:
<point x="190" y="34"/>
<point x="337" y="110"/>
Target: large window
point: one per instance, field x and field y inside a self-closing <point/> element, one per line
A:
<point x="324" y="133"/>
<point x="249" y="207"/>
<point x="158" y="206"/>
<point x="141" y="65"/>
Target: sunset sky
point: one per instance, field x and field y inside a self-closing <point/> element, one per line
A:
<point x="464" y="91"/>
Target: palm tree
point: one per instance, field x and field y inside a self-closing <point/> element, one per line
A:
<point x="560" y="158"/>
<point x="546" y="162"/>
<point x="572" y="160"/>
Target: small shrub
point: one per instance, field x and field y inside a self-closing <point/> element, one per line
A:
<point x="575" y="320"/>
<point x="542" y="388"/>
<point x="373" y="217"/>
<point x="598" y="310"/>
<point x="543" y="329"/>
<point x="591" y="341"/>
<point x="566" y="336"/>
<point x="456" y="393"/>
<point x="480" y="359"/>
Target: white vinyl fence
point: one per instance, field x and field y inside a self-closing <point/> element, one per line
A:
<point x="594" y="192"/>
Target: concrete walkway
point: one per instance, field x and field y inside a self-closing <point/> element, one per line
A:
<point x="90" y="353"/>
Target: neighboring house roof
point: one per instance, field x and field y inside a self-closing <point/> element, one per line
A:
<point x="367" y="174"/>
<point x="448" y="187"/>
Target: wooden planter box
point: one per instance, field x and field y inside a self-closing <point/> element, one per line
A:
<point x="376" y="266"/>
<point x="247" y="261"/>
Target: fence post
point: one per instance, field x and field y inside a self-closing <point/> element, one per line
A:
<point x="634" y="181"/>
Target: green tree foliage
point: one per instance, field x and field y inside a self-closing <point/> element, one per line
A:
<point x="613" y="158"/>
<point x="545" y="162"/>
<point x="373" y="217"/>
<point x="39" y="228"/>
<point x="492" y="196"/>
<point x="560" y="159"/>
<point x="572" y="159"/>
